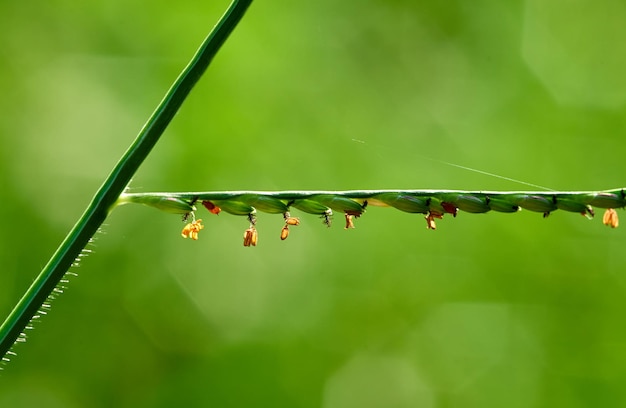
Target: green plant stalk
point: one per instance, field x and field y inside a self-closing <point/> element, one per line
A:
<point x="42" y="288"/>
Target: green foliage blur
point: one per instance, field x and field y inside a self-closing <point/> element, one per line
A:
<point x="492" y="310"/>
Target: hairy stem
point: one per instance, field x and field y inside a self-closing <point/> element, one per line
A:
<point x="40" y="291"/>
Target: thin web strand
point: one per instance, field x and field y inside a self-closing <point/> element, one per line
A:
<point x="486" y="173"/>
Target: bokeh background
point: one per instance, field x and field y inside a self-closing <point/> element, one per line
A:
<point x="490" y="310"/>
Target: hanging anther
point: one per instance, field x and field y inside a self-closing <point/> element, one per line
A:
<point x="191" y="230"/>
<point x="289" y="220"/>
<point x="250" y="236"/>
<point x="351" y="215"/>
<point x="284" y="233"/>
<point x="430" y="219"/>
<point x="610" y="218"/>
<point x="349" y="221"/>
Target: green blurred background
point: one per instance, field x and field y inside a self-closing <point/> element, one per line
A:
<point x="488" y="311"/>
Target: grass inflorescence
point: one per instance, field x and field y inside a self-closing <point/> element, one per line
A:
<point x="434" y="204"/>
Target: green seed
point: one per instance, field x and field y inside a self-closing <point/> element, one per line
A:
<point x="404" y="202"/>
<point x="265" y="204"/>
<point x="311" y="207"/>
<point x="339" y="204"/>
<point x="567" y="204"/>
<point x="235" y="207"/>
<point x="171" y="205"/>
<point x="502" y="205"/>
<point x="471" y="204"/>
<point x="534" y="202"/>
<point x="606" y="200"/>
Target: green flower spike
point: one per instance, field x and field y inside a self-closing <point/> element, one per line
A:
<point x="434" y="204"/>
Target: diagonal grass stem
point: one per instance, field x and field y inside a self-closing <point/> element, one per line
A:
<point x="41" y="290"/>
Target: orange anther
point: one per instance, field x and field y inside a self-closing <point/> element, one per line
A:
<point x="250" y="237"/>
<point x="430" y="220"/>
<point x="610" y="218"/>
<point x="191" y="230"/>
<point x="284" y="233"/>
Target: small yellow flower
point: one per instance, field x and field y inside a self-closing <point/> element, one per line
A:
<point x="292" y="221"/>
<point x="191" y="230"/>
<point x="610" y="218"/>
